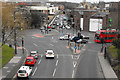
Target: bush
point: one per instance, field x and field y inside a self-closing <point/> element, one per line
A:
<point x="116" y="43"/>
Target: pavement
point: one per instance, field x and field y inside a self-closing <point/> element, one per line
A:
<point x="106" y="67"/>
<point x="13" y="64"/>
<point x="108" y="72"/>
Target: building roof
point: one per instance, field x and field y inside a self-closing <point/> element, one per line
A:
<point x="100" y="14"/>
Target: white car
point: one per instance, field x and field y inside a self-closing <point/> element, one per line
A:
<point x="67" y="27"/>
<point x="50" y="54"/>
<point x="24" y="71"/>
<point x="34" y="54"/>
<point x="65" y="37"/>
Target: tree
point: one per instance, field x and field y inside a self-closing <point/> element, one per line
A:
<point x="12" y="17"/>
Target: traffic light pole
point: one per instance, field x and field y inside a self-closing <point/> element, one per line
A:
<point x="23" y="45"/>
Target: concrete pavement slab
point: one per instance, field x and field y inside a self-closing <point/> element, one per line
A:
<point x="106" y="67"/>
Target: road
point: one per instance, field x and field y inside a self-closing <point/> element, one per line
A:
<point x="65" y="64"/>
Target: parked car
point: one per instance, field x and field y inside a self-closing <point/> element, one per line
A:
<point x="24" y="72"/>
<point x="82" y="41"/>
<point x="34" y="54"/>
<point x="50" y="54"/>
<point x="30" y="60"/>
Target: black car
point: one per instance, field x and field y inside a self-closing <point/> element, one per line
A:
<point x="82" y="41"/>
<point x="75" y="39"/>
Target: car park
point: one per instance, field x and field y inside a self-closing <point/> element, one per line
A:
<point x="24" y="72"/>
<point x="34" y="54"/>
<point x="50" y="54"/>
<point x="30" y="60"/>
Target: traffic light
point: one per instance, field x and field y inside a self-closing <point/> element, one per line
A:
<point x="110" y="20"/>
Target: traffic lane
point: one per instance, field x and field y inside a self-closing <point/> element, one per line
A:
<point x="64" y="67"/>
<point x="45" y="69"/>
<point x="65" y="63"/>
<point x="88" y="66"/>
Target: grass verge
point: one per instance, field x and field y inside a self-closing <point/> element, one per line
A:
<point x="7" y="54"/>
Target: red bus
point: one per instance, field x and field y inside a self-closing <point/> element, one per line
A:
<point x="107" y="35"/>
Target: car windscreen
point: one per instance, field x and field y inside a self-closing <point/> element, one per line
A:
<point x="29" y="60"/>
<point x="21" y="71"/>
<point x="49" y="52"/>
<point x="33" y="53"/>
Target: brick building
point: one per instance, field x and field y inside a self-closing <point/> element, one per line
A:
<point x="115" y="14"/>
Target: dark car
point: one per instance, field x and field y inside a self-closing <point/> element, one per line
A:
<point x="75" y="38"/>
<point x="82" y="41"/>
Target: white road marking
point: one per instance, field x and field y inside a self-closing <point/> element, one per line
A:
<point x="73" y="74"/>
<point x="33" y="37"/>
<point x="35" y="44"/>
<point x="78" y="57"/>
<point x="39" y="62"/>
<point x="52" y="37"/>
<point x="54" y="72"/>
<point x="57" y="31"/>
<point x="8" y="71"/>
<point x="14" y="76"/>
<point x="74" y="63"/>
<point x="56" y="62"/>
<point x="57" y="55"/>
<point x="72" y="56"/>
<point x="51" y="44"/>
<point x="34" y="71"/>
<point x="13" y="65"/>
<point x="5" y="67"/>
<point x="41" y="56"/>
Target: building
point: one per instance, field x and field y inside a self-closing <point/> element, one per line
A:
<point x="115" y="14"/>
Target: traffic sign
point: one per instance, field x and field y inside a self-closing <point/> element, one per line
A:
<point x="75" y="47"/>
<point x="63" y="34"/>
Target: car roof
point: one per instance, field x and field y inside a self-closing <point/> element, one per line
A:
<point x="33" y="52"/>
<point x="23" y="67"/>
<point x="49" y="50"/>
<point x="30" y="57"/>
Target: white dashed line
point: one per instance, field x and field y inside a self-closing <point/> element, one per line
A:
<point x="51" y="44"/>
<point x="14" y="76"/>
<point x="8" y="71"/>
<point x="41" y="56"/>
<point x="72" y="56"/>
<point x="39" y="62"/>
<point x="52" y="37"/>
<point x="78" y="57"/>
<point x="5" y="67"/>
<point x="56" y="62"/>
<point x="57" y="55"/>
<point x="34" y="71"/>
<point x="73" y="74"/>
<point x="54" y="72"/>
<point x="35" y="44"/>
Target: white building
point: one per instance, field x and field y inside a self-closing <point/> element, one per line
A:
<point x="50" y="9"/>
